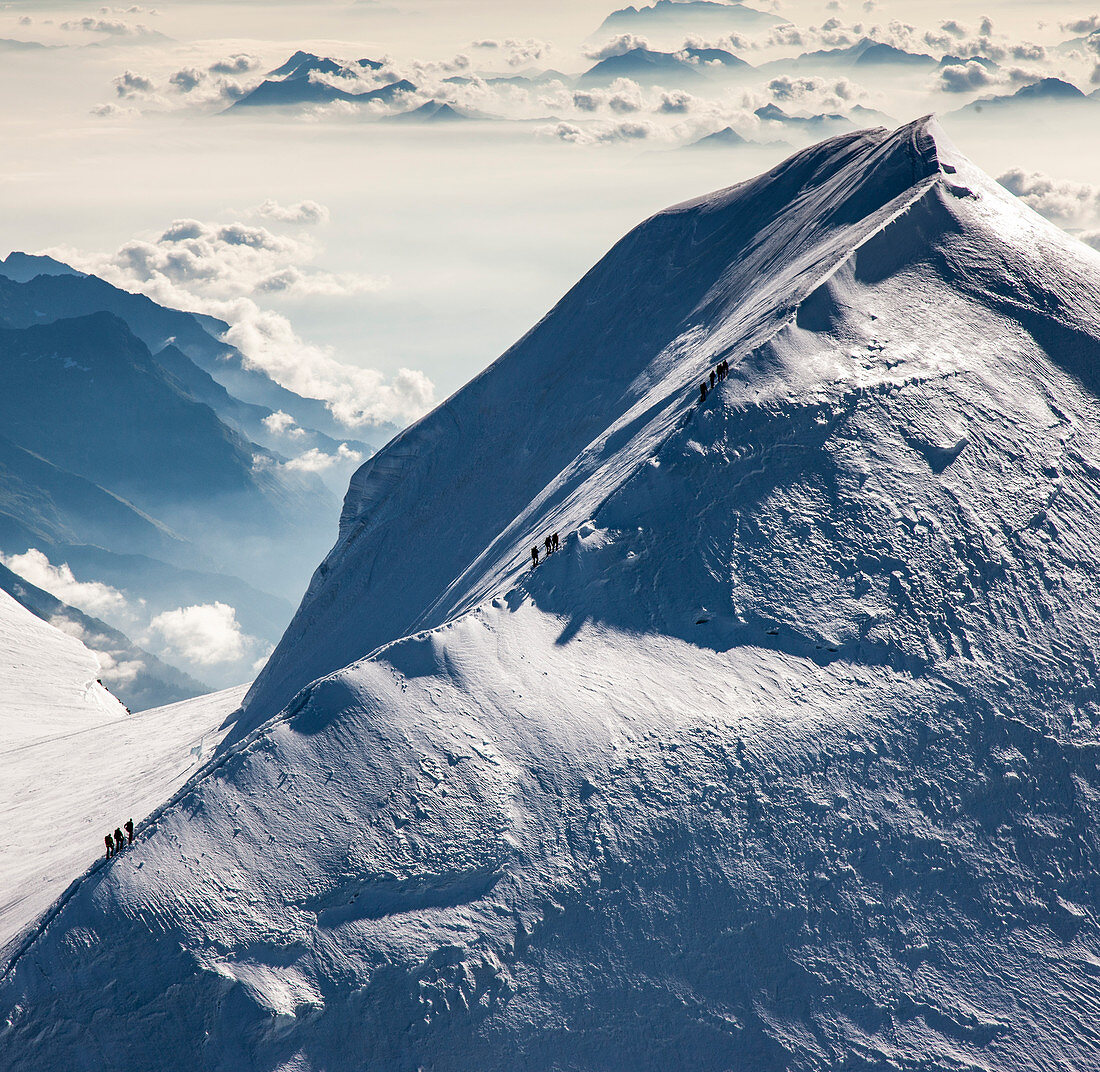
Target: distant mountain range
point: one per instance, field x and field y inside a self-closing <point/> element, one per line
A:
<point x="863" y="54"/>
<point x="125" y="455"/>
<point x="299" y="82"/>
<point x="688" y="67"/>
<point x="435" y="111"/>
<point x="688" y="15"/>
<point x="1046" y="90"/>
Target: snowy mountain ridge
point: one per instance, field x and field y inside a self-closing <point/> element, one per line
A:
<point x="787" y="760"/>
<point x="644" y="382"/>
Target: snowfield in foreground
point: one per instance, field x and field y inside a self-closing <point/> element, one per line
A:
<point x="787" y="759"/>
<point x="76" y="764"/>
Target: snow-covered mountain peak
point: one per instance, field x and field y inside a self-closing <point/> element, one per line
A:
<point x="443" y="518"/>
<point x="786" y="759"/>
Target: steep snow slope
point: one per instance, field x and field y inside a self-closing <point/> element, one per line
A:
<point x="139" y="679"/>
<point x="445" y="514"/>
<point x="787" y="760"/>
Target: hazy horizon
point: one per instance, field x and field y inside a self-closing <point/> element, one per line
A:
<point x="433" y="248"/>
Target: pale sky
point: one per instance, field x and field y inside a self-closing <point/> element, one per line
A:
<point x="431" y="248"/>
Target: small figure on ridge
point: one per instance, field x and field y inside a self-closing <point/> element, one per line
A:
<point x="110" y="845"/>
<point x="118" y="841"/>
<point x="535" y="555"/>
<point x="129" y="828"/>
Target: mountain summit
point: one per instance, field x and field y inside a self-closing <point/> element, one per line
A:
<point x="785" y="760"/>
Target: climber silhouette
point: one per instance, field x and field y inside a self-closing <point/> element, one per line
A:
<point x="555" y="542"/>
<point x="129" y="828"/>
<point x="703" y="392"/>
<point x="712" y="380"/>
<point x="535" y="555"/>
<point x="110" y="845"/>
<point x="118" y="841"/>
<point x="548" y="543"/>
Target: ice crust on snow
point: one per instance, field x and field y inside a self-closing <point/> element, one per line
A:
<point x="788" y="758"/>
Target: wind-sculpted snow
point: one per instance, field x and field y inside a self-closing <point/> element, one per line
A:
<point x="786" y="760"/>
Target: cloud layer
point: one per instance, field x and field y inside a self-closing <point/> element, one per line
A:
<point x="226" y="270"/>
<point x="205" y="634"/>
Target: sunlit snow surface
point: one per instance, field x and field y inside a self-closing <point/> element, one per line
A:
<point x="785" y="760"/>
<point x="76" y="764"/>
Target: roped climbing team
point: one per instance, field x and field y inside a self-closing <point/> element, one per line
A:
<point x="717" y="375"/>
<point x="115" y="843"/>
<point x="552" y="543"/>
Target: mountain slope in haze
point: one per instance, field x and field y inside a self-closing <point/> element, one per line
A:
<point x="786" y="760"/>
<point x="87" y="395"/>
<point x="107" y="392"/>
<point x="1045" y="91"/>
<point x="63" y="380"/>
<point x="250" y="394"/>
<point x="106" y="454"/>
<point x="23" y="267"/>
<point x="299" y="81"/>
<point x="292" y="93"/>
<point x="688" y="15"/>
<point x="645" y="66"/>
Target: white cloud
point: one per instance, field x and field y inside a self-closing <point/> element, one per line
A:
<point x="238" y="63"/>
<point x="966" y="77"/>
<point x="618" y="46"/>
<point x="116" y="671"/>
<point x="625" y="96"/>
<point x="317" y="461"/>
<point x="676" y="102"/>
<point x="280" y="423"/>
<point x="786" y="35"/>
<point x="92" y="597"/>
<point x="1082" y="26"/>
<point x="218" y="268"/>
<point x="355" y="396"/>
<point x="972" y="75"/>
<point x="113" y="111"/>
<point x="129" y="84"/>
<point x="205" y="634"/>
<point x="824" y="92"/>
<point x="113" y="27"/>
<point x="733" y="42"/>
<point x="115" y="667"/>
<point x="186" y="79"/>
<point x="602" y="133"/>
<point x="302" y="212"/>
<point x="1060" y="200"/>
<point x="225" y="261"/>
